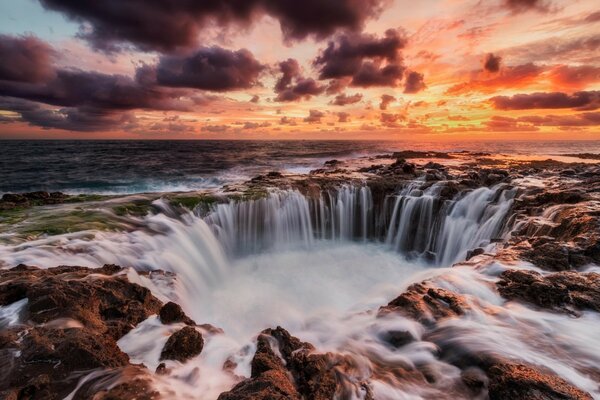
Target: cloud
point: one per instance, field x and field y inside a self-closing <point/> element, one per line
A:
<point x="255" y="99"/>
<point x="492" y="63"/>
<point x="174" y="24"/>
<point x="579" y="100"/>
<point x="509" y="77"/>
<point x="343" y="117"/>
<point x="291" y="86"/>
<point x="507" y="124"/>
<point x="256" y="125"/>
<point x="519" y="6"/>
<point x="314" y="117"/>
<point x="25" y="59"/>
<point x="86" y="100"/>
<point x="210" y="68"/>
<point x="366" y="59"/>
<point x="343" y="99"/>
<point x="386" y="100"/>
<point x="414" y="82"/>
<point x="574" y="77"/>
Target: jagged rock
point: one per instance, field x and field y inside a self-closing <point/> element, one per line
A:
<point x="107" y="305"/>
<point x="516" y="381"/>
<point x="182" y="345"/>
<point x="567" y="291"/>
<point x="50" y="357"/>
<point x="313" y="374"/>
<point x="70" y="325"/>
<point x="427" y="304"/>
<point x="22" y="200"/>
<point x="172" y="313"/>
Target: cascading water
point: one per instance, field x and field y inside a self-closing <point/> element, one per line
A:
<point x="421" y="222"/>
<point x="321" y="267"/>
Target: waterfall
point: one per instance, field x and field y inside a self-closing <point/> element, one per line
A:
<point x="414" y="222"/>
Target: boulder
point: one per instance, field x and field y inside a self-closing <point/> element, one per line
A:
<point x="183" y="345"/>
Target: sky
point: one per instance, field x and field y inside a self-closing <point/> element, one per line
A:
<point x="311" y="69"/>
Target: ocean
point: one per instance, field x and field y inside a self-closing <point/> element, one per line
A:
<point x="123" y="167"/>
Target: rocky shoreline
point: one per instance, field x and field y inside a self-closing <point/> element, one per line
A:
<point x="61" y="339"/>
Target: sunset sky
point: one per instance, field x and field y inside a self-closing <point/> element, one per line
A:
<point x="289" y="69"/>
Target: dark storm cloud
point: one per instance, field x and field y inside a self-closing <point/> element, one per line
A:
<point x="414" y="82"/>
<point x="25" y="59"/>
<point x="68" y="118"/>
<point x="386" y="100"/>
<point x="518" y="6"/>
<point x="367" y="59"/>
<point x="344" y="99"/>
<point x="170" y="24"/>
<point x="210" y="68"/>
<point x="492" y="63"/>
<point x="291" y="86"/>
<point x="580" y="100"/>
<point x="371" y="74"/>
<point x="75" y="88"/>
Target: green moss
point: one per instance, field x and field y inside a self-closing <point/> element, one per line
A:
<point x="191" y="202"/>
<point x="137" y="208"/>
<point x="83" y="198"/>
<point x="12" y="216"/>
<point x="73" y="221"/>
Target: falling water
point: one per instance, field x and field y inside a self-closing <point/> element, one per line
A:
<point x="421" y="222"/>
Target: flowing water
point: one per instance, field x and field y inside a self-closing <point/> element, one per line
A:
<point x="321" y="267"/>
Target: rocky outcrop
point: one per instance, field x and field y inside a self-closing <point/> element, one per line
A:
<point x="69" y="328"/>
<point x="183" y="345"/>
<point x="283" y="367"/>
<point x="24" y="200"/>
<point x="172" y="313"/>
<point x="567" y="291"/>
<point x="511" y="381"/>
<point x="427" y="304"/>
<point x="111" y="306"/>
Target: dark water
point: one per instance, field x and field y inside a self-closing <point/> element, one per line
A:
<point x="157" y="166"/>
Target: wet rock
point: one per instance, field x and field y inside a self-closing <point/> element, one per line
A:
<point x="182" y="345"/>
<point x="427" y="304"/>
<point x="475" y="252"/>
<point x="172" y="313"/>
<point x="274" y="174"/>
<point x="474" y="378"/>
<point x="50" y="357"/>
<point x="398" y="338"/>
<point x="517" y="381"/>
<point x="104" y="303"/>
<point x="313" y="374"/>
<point x="332" y="163"/>
<point x="565" y="291"/>
<point x="72" y="320"/>
<point x="23" y="200"/>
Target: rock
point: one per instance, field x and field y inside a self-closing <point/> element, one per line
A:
<point x="172" y="313"/>
<point x="72" y="320"/>
<point x="398" y="338"/>
<point x="563" y="291"/>
<point x="182" y="345"/>
<point x="332" y="163"/>
<point x="474" y="378"/>
<point x="313" y="375"/>
<point x="49" y="358"/>
<point x="102" y="302"/>
<point x="427" y="304"/>
<point x="475" y="252"/>
<point x="517" y="381"/>
<point x="23" y="200"/>
<point x="274" y="174"/>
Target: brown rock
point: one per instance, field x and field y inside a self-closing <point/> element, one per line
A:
<point x="566" y="291"/>
<point x="183" y="345"/>
<point x="172" y="313"/>
<point x="427" y="304"/>
<point x="517" y="381"/>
